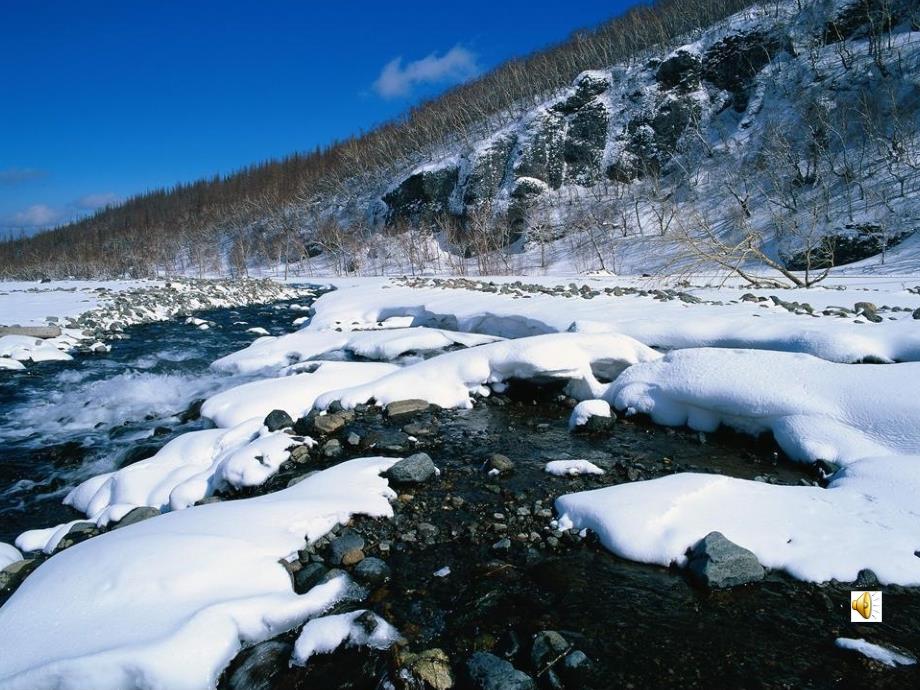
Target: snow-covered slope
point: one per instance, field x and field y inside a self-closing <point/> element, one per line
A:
<point x="790" y="120"/>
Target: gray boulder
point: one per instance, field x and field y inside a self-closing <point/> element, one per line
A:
<point x="716" y="562"/>
<point x="137" y="515"/>
<point x="415" y="469"/>
<point x="278" y="420"/>
<point x="404" y="408"/>
<point x="488" y="672"/>
<point x="308" y="577"/>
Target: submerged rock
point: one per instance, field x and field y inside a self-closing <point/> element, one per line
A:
<point x="346" y="548"/>
<point x="548" y="648"/>
<point x="260" y="666"/>
<point x="488" y="672"/>
<point x="500" y="462"/>
<point x="373" y="571"/>
<point x="716" y="562"/>
<point x="430" y="667"/>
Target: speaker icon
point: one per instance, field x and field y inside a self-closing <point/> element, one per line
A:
<point x="866" y="607"/>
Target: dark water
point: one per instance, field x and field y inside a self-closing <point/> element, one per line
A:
<point x="62" y="422"/>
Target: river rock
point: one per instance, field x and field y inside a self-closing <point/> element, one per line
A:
<point x="716" y="562"/>
<point x="137" y="515"/>
<point x="300" y="454"/>
<point x="346" y="546"/>
<point x="328" y="423"/>
<point x="415" y="469"/>
<point x="431" y="667"/>
<point x="404" y="408"/>
<point x="488" y="672"/>
<point x="500" y="462"/>
<point x="308" y="577"/>
<point x="13" y="574"/>
<point x="260" y="666"/>
<point x="548" y="648"/>
<point x="278" y="420"/>
<point x="374" y="571"/>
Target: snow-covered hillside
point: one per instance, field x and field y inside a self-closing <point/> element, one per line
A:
<point x="790" y="122"/>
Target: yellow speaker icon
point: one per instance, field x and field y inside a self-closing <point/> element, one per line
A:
<point x="863" y="605"/>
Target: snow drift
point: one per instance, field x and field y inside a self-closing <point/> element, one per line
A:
<point x="168" y="602"/>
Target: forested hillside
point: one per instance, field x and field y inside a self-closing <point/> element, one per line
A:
<point x="681" y="135"/>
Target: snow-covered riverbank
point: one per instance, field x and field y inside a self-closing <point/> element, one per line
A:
<point x="782" y="363"/>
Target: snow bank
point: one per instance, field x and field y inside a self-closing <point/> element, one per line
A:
<point x="721" y="320"/>
<point x="274" y="353"/>
<point x="328" y="633"/>
<point x="24" y="349"/>
<point x="294" y="394"/>
<point x="571" y="468"/>
<point x="11" y="364"/>
<point x="168" y="602"/>
<point x="889" y="657"/>
<point x="866" y="518"/>
<point x="815" y="409"/>
<point x="586" y="409"/>
<point x="449" y="379"/>
<point x="8" y="554"/>
<point x="184" y="471"/>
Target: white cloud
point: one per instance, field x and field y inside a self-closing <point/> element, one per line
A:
<point x="38" y="215"/>
<point x="91" y="202"/>
<point x="397" y="80"/>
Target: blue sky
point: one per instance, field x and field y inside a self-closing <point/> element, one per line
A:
<point x="100" y="100"/>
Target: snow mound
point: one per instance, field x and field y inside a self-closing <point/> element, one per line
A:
<point x="355" y="629"/>
<point x="168" y="602"/>
<point x="268" y="353"/>
<point x="889" y="657"/>
<point x="8" y="554"/>
<point x="815" y="409"/>
<point x="23" y="349"/>
<point x="866" y="518"/>
<point x="11" y="364"/>
<point x="449" y="379"/>
<point x="586" y="409"/>
<point x="571" y="468"/>
<point x="294" y="394"/>
<point x="185" y="470"/>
